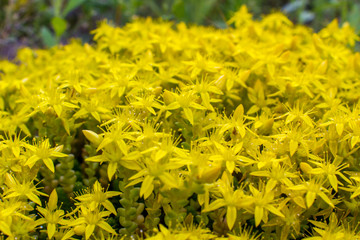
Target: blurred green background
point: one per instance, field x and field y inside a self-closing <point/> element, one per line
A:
<point x="44" y="23"/>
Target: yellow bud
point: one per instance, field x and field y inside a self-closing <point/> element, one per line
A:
<point x="168" y="97"/>
<point x="53" y="199"/>
<point x="59" y="148"/>
<point x="220" y="82"/>
<point x="93" y="137"/>
<point x="157" y="91"/>
<point x="90" y="90"/>
<point x="239" y="112"/>
<point x="50" y="111"/>
<point x="80" y="229"/>
<point x="267" y="125"/>
<point x="322" y="67"/>
<point x="305" y="167"/>
<point x="210" y="173"/>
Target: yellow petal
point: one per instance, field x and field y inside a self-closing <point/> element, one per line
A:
<point x="230" y="166"/>
<point x="354" y="141"/>
<point x="274" y="210"/>
<point x="109" y="206"/>
<point x="147" y="186"/>
<point x="160" y="154"/>
<point x="51" y="228"/>
<point x="307" y="120"/>
<point x="89" y="230"/>
<point x="299" y="201"/>
<point x="33" y="198"/>
<point x="215" y="205"/>
<point x="111" y="170"/>
<point x="271" y="184"/>
<point x="333" y="181"/>
<point x="189" y="115"/>
<point x="326" y="198"/>
<point x="106" y="227"/>
<point x="49" y="164"/>
<point x="58" y="109"/>
<point x="290" y="118"/>
<point x="96" y="116"/>
<point x="293" y="147"/>
<point x="231" y="216"/>
<point x="310" y="198"/>
<point x="356" y="193"/>
<point x="5" y="228"/>
<point x="340" y="128"/>
<point x="239" y="112"/>
<point x="53" y="199"/>
<point x="259" y="213"/>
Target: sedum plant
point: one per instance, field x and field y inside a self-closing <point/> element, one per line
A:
<point x="159" y="130"/>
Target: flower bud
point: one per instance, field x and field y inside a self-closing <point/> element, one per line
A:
<point x="93" y="137"/>
<point x="305" y="167"/>
<point x="168" y="97"/>
<point x="210" y="173"/>
<point x="80" y="229"/>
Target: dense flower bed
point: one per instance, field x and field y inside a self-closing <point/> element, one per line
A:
<point x="186" y="132"/>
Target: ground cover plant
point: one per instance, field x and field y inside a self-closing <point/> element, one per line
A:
<point x="161" y="130"/>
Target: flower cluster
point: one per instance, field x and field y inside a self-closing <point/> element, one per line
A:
<point x="161" y="130"/>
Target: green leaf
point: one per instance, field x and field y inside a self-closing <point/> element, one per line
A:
<point x="178" y="9"/>
<point x="193" y="10"/>
<point x="57" y="7"/>
<point x="201" y="9"/>
<point x="71" y="5"/>
<point x="47" y="37"/>
<point x="354" y="17"/>
<point x="59" y="25"/>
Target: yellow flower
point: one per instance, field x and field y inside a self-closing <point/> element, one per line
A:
<point x="330" y="170"/>
<point x="43" y="152"/>
<point x="153" y="170"/>
<point x="229" y="155"/>
<point x="263" y="204"/>
<point x="277" y="173"/>
<point x="97" y="197"/>
<point x="51" y="215"/>
<point x="21" y="190"/>
<point x="91" y="219"/>
<point x="232" y="200"/>
<point x="313" y="188"/>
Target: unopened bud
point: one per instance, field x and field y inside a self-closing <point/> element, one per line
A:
<point x="93" y="137"/>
